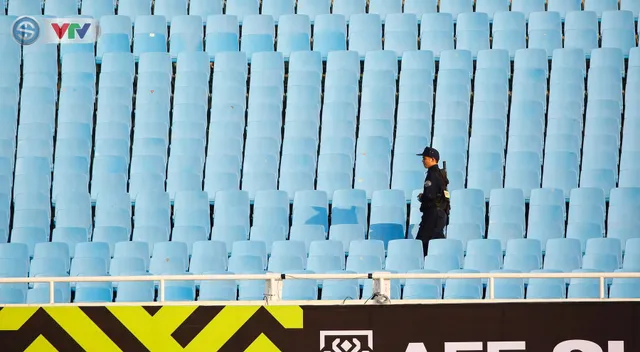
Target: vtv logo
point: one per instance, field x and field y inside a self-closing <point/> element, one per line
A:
<point x="71" y="29"/>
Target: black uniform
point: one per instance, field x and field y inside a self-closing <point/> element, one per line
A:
<point x="434" y="218"/>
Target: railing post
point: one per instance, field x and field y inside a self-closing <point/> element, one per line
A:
<point x="492" y="283"/>
<point x="161" y="287"/>
<point x="52" y="292"/>
<point x="382" y="286"/>
<point x="273" y="289"/>
<point x="602" y="287"/>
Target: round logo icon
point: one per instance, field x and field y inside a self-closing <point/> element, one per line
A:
<point x="26" y="30"/>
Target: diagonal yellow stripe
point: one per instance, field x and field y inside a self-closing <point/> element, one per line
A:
<point x="262" y="344"/>
<point x="41" y="344"/>
<point x="291" y="317"/>
<point x="154" y="332"/>
<point x="221" y="328"/>
<point x="82" y="329"/>
<point x="14" y="318"/>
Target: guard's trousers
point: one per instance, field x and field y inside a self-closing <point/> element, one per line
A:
<point x="431" y="227"/>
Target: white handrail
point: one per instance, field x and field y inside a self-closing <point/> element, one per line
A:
<point x="274" y="280"/>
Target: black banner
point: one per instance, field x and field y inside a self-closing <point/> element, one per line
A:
<point x="484" y="327"/>
<point x="533" y="327"/>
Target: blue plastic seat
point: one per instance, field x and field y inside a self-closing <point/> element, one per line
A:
<point x="242" y="8"/>
<point x="472" y="32"/>
<point x="88" y="266"/>
<point x="482" y="263"/>
<point x="363" y="264"/>
<point x="340" y="289"/>
<point x="509" y="31"/>
<point x="545" y="31"/>
<point x="97" y="8"/>
<point x="134" y="8"/>
<point x="365" y="33"/>
<point x="437" y="31"/>
<point x="485" y="247"/>
<point x="528" y="7"/>
<point x="299" y="289"/>
<point x="150" y="35"/>
<point x="208" y="256"/>
<point x="135" y="291"/>
<point x="330" y="33"/>
<point x="306" y="234"/>
<point x="246" y="264"/>
<point x="92" y="293"/>
<point x="323" y="264"/>
<point x="546" y="289"/>
<point x="110" y="235"/>
<point x="522" y="262"/>
<point x="123" y="266"/>
<point x="564" y="6"/>
<point x="186" y="34"/>
<point x="420" y="7"/>
<point x="446" y="247"/>
<point x="599" y="6"/>
<point x="41" y="295"/>
<point x="53" y="250"/>
<point x="563" y="254"/>
<point x="581" y="30"/>
<point x="403" y="264"/>
<point x="422" y="288"/>
<point x="456" y="7"/>
<point x="624" y="287"/>
<point x="401" y="31"/>
<point x="491" y="7"/>
<point x="218" y="290"/>
<point x="617" y="30"/>
<point x="268" y="234"/>
<point x="170" y="9"/>
<point x="180" y="291"/>
<point x="472" y="198"/>
<point x="329" y="247"/>
<point x="229" y="234"/>
<point x="294" y="33"/>
<point x="277" y="8"/>
<point x="584" y="288"/>
<point x="313" y="8"/>
<point x="463" y="288"/>
<point x="26" y="8"/>
<point x="345" y="233"/>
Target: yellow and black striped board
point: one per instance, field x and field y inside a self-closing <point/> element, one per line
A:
<point x="613" y="326"/>
<point x="157" y="328"/>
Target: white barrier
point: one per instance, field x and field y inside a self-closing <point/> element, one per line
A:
<point x="273" y="290"/>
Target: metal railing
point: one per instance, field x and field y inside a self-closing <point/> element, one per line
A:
<point x="273" y="287"/>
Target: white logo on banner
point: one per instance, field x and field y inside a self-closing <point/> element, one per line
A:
<point x="346" y="341"/>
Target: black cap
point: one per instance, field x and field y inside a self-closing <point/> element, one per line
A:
<point x="431" y="152"/>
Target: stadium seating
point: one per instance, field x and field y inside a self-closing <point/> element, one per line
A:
<point x="282" y="137"/>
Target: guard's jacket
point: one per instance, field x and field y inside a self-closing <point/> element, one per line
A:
<point x="434" y="195"/>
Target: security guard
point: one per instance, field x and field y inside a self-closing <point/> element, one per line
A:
<point x="434" y="199"/>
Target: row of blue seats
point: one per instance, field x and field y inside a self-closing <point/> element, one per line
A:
<point x="296" y="289"/>
<point x="365" y="33"/>
<point x="277" y="8"/>
<point x="302" y="252"/>
<point x="92" y="266"/>
<point x="350" y="217"/>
